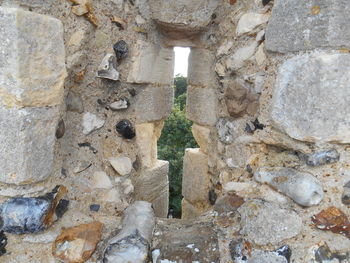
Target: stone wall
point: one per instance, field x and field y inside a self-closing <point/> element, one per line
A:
<point x="85" y="88"/>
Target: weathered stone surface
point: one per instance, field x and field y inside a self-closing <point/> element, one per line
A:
<point x="200" y="68"/>
<point x="185" y="241"/>
<point x="201" y="105"/>
<point x="132" y="242"/>
<point x="74" y="102"/>
<point x="266" y="223"/>
<point x="153" y="186"/>
<point x="147" y="137"/>
<point x="266" y="257"/>
<point x="151" y="64"/>
<point x="154" y="103"/>
<point x="122" y="164"/>
<point x="101" y="180"/>
<point x="302" y="187"/>
<point x="345" y="198"/>
<point x="201" y="135"/>
<point x="195" y="179"/>
<point x="91" y="122"/>
<point x="76" y="244"/>
<point x="188" y="211"/>
<point x="227" y="130"/>
<point x="32" y="63"/>
<point x="250" y="21"/>
<point x="238" y="59"/>
<point x="305" y="25"/>
<point x="313" y="108"/>
<point x="27" y="139"/>
<point x="185" y="16"/>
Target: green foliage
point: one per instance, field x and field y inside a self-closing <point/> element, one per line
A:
<point x="180" y="83"/>
<point x="176" y="137"/>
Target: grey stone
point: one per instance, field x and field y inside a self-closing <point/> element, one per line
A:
<point x="266" y="257"/>
<point x="32" y="62"/>
<point x="154" y="103"/>
<point x="132" y="242"/>
<point x="119" y="105"/>
<point x="320" y="157"/>
<point x="200" y="65"/>
<point x="238" y="59"/>
<point x="302" y="187"/>
<point x="227" y="130"/>
<point x="267" y="223"/>
<point x="313" y="108"/>
<point x="201" y="105"/>
<point x="151" y="63"/>
<point x="183" y="15"/>
<point x="91" y="123"/>
<point x="303" y="25"/>
<point x="101" y="180"/>
<point x="27" y="139"/>
<point x="122" y="164"/>
<point x="153" y="186"/>
<point x="107" y="68"/>
<point x="345" y="198"/>
<point x="249" y="22"/>
<point x="74" y="102"/>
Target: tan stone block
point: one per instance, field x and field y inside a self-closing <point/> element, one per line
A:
<point x="151" y="63"/>
<point x="152" y="185"/>
<point x="154" y="103"/>
<point x="32" y="62"/>
<point x="200" y="68"/>
<point x="201" y="135"/>
<point x="201" y="105"/>
<point x="195" y="180"/>
<point x="190" y="211"/>
<point x="146" y="140"/>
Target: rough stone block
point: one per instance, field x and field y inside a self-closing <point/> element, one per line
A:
<point x="303" y="25"/>
<point x="310" y="100"/>
<point x="189" y="211"/>
<point x="201" y="135"/>
<point x="151" y="64"/>
<point x="195" y="180"/>
<point x="146" y="139"/>
<point x="32" y="62"/>
<point x="201" y="105"/>
<point x="27" y="139"/>
<point x="183" y="15"/>
<point x="152" y="185"/>
<point x="154" y="103"/>
<point x="200" y="68"/>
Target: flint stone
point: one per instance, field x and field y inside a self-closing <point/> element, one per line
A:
<point x="122" y="164"/>
<point x="32" y="62"/>
<point x="132" y="242"/>
<point x="302" y="187"/>
<point x="27" y="139"/>
<point x="294" y="27"/>
<point x="184" y="16"/>
<point x="313" y="108"/>
<point x="74" y="102"/>
<point x="250" y="21"/>
<point x="119" y="105"/>
<point x="320" y="157"/>
<point x="91" y="123"/>
<point x="107" y="68"/>
<point x="267" y="223"/>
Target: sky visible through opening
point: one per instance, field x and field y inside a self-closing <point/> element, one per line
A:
<point x="181" y="60"/>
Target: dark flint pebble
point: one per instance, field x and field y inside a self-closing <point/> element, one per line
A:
<point x="323" y="254"/>
<point x="61" y="129"/>
<point x="121" y="49"/>
<point x="284" y="251"/>
<point x="212" y="197"/>
<point x="95" y="207"/>
<point x="3" y="243"/>
<point x="320" y="157"/>
<point x="125" y="129"/>
<point x="265" y="2"/>
<point x="87" y="144"/>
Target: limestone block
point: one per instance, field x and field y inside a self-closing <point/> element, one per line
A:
<point x="303" y="25"/>
<point x="189" y="211"/>
<point x="200" y="68"/>
<point x="195" y="180"/>
<point x="27" y="138"/>
<point x="250" y="21"/>
<point x="183" y="15"/>
<point x="310" y="100"/>
<point x="146" y="140"/>
<point x="151" y="64"/>
<point x="32" y="62"/>
<point x="201" y="135"/>
<point x="154" y="103"/>
<point x="152" y="185"/>
<point x="201" y="105"/>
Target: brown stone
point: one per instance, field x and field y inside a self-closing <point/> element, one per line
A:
<point x="76" y="244"/>
<point x="332" y="219"/>
<point x="229" y="202"/>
